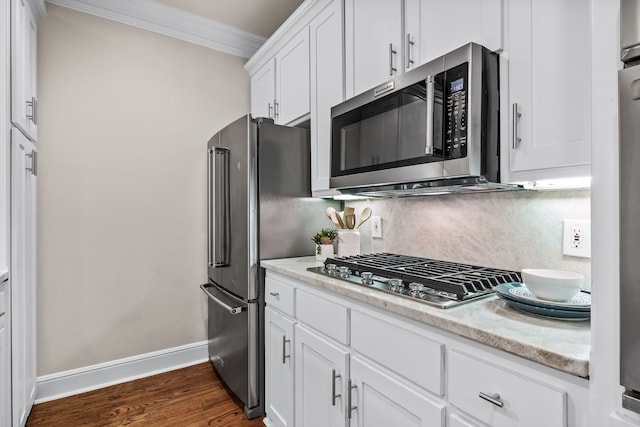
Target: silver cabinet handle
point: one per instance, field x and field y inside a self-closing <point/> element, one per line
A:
<point x="430" y="83"/>
<point x="392" y="52"/>
<point x="350" y="408"/>
<point x="274" y="294"/>
<point x="34" y="162"/>
<point x="33" y="104"/>
<point x="270" y="110"/>
<point x="229" y="308"/>
<point x="492" y="398"/>
<point x="515" y="114"/>
<point x="409" y="46"/>
<point x="285" y="356"/>
<point x="334" y="396"/>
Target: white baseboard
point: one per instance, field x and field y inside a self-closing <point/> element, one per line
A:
<point x="76" y="381"/>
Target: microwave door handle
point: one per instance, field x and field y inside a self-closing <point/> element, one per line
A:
<point x="220" y="235"/>
<point x="430" y="83"/>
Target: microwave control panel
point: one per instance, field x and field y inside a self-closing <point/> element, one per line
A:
<point x="455" y="111"/>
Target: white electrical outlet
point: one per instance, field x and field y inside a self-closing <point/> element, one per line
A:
<point x="376" y="227"/>
<point x="577" y="238"/>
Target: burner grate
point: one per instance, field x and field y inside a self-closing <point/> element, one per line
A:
<point x="464" y="280"/>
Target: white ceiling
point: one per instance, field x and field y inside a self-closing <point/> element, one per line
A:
<point x="260" y="17"/>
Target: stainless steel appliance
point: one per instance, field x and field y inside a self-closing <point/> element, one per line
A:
<point x="442" y="284"/>
<point x="629" y="99"/>
<point x="259" y="208"/>
<point x="432" y="129"/>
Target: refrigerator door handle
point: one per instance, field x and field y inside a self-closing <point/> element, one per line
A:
<point x="232" y="309"/>
<point x="219" y="218"/>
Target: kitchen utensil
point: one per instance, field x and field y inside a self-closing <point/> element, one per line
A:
<point x="552" y="285"/>
<point x="328" y="211"/>
<point x="350" y="220"/>
<point x="337" y="219"/>
<point x="331" y="213"/>
<point x="364" y="216"/>
<point x="348" y="210"/>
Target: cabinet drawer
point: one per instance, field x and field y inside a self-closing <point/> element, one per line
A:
<point x="279" y="296"/>
<point x="396" y="347"/>
<point x="525" y="401"/>
<point x="323" y="314"/>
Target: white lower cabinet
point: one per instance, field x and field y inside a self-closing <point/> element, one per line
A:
<point x="360" y="366"/>
<point x="320" y="380"/>
<point x="502" y="398"/>
<point x="380" y="399"/>
<point x="23" y="275"/>
<point x="5" y="356"/>
<point x="457" y="420"/>
<point x="278" y="368"/>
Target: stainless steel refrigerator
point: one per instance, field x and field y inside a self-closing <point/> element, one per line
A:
<point x="629" y="99"/>
<point x="259" y="188"/>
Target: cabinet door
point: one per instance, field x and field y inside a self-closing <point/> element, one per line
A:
<point x="374" y="43"/>
<point x="327" y="88"/>
<point x="320" y="380"/>
<point x="445" y="25"/>
<point x="503" y="398"/>
<point x="5" y="357"/>
<point x="278" y="368"/>
<point x="549" y="84"/>
<point x="292" y="79"/>
<point x="23" y="275"/>
<point x="263" y="93"/>
<point x="379" y="399"/>
<point x="23" y="68"/>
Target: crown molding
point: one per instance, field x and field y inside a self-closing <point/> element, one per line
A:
<point x="166" y="20"/>
<point x="38" y="8"/>
<point x="298" y="20"/>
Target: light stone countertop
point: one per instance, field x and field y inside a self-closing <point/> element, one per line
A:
<point x="563" y="345"/>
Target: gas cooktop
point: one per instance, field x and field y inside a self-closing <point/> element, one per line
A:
<point x="440" y="283"/>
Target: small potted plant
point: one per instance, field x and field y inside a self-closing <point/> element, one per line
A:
<point x="324" y="243"/>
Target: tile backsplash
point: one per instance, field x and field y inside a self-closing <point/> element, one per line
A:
<point x="510" y="230"/>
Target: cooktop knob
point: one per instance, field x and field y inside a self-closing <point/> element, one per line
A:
<point x="331" y="268"/>
<point x="395" y="285"/>
<point x="344" y="272"/>
<point x="416" y="289"/>
<point x="367" y="278"/>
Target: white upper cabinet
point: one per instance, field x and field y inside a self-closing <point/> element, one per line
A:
<point x="327" y="88"/>
<point x="384" y="39"/>
<point x="23" y="68"/>
<point x="548" y="106"/>
<point x="374" y="43"/>
<point x="263" y="91"/>
<point x="292" y="79"/>
<point x="435" y="27"/>
<point x="280" y="88"/>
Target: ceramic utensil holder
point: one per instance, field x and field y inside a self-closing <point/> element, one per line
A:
<point x="348" y="242"/>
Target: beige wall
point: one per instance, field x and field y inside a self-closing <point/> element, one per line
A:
<point x="125" y="115"/>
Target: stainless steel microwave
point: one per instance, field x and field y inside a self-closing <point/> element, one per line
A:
<point x="433" y="129"/>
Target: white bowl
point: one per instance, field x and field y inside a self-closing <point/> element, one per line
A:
<point x="552" y="285"/>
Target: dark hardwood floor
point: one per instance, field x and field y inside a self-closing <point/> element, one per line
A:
<point x="193" y="396"/>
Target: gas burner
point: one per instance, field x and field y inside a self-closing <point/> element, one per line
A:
<point x="441" y="283"/>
